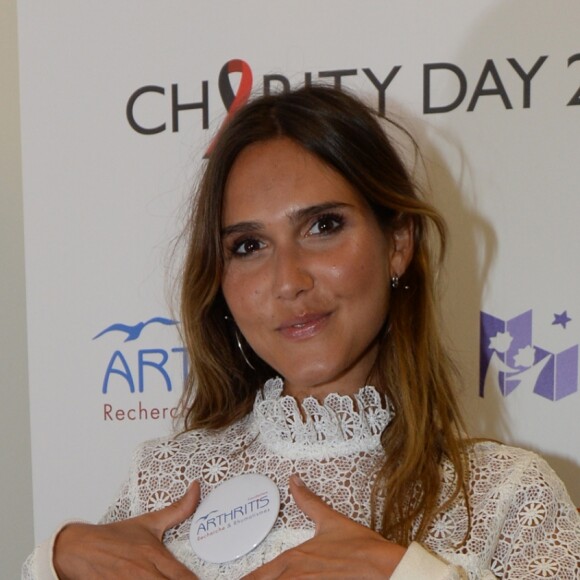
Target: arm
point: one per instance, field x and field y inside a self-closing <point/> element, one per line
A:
<point x="130" y="548"/>
<point x="38" y="565"/>
<point x="541" y="531"/>
<point x="79" y="549"/>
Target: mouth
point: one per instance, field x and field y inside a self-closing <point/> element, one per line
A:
<point x="304" y="326"/>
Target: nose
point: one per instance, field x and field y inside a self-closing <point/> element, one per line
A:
<point x="292" y="273"/>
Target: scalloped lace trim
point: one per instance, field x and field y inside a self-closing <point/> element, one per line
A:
<point x="341" y="424"/>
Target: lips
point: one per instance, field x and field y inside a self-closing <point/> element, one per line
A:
<point x="304" y="326"/>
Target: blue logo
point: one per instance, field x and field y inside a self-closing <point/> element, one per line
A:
<point x="133" y="369"/>
<point x="511" y="358"/>
<point x="134" y="332"/>
<point x="155" y="359"/>
<point x="238" y="514"/>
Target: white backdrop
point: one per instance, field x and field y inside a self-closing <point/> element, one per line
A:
<point x="119" y="102"/>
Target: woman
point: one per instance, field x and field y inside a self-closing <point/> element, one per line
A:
<point x="312" y="258"/>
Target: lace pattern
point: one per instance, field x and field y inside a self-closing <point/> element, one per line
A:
<point x="523" y="522"/>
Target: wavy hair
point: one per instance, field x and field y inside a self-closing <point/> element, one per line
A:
<point x="412" y="368"/>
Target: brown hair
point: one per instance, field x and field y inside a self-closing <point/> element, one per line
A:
<point x="412" y="369"/>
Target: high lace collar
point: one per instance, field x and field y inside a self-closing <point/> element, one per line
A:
<point x="339" y="425"/>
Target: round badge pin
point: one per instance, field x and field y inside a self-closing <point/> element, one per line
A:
<point x="234" y="518"/>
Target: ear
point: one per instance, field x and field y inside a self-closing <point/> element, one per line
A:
<point x="401" y="248"/>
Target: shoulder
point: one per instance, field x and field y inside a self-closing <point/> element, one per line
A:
<point x="516" y="502"/>
<point x="192" y="448"/>
<point x="519" y="475"/>
<point x="521" y="514"/>
<point x="484" y="454"/>
<point x="170" y="445"/>
<point x="506" y="461"/>
<point x="162" y="469"/>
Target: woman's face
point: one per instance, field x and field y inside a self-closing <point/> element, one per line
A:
<point x="307" y="269"/>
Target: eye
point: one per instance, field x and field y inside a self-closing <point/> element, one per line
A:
<point x="326" y="224"/>
<point x="246" y="247"/>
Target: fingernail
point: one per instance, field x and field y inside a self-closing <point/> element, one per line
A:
<point x="298" y="481"/>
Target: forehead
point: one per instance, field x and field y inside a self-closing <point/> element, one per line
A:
<point x="274" y="177"/>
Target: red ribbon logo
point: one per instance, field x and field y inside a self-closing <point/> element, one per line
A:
<point x="232" y="101"/>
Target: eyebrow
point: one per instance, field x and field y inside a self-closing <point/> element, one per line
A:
<point x="295" y="216"/>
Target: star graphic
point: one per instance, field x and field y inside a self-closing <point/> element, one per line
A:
<point x="562" y="319"/>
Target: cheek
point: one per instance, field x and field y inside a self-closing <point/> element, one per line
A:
<point x="361" y="272"/>
<point x="370" y="291"/>
<point x="244" y="295"/>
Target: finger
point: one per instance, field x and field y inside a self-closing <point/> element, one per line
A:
<point x="312" y="505"/>
<point x="177" y="512"/>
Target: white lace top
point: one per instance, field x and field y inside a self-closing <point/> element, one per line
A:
<point x="524" y="524"/>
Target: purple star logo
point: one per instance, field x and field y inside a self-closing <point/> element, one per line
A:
<point x="562" y="319"/>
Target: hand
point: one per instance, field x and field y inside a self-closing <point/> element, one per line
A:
<point x="340" y="547"/>
<point x="131" y="548"/>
